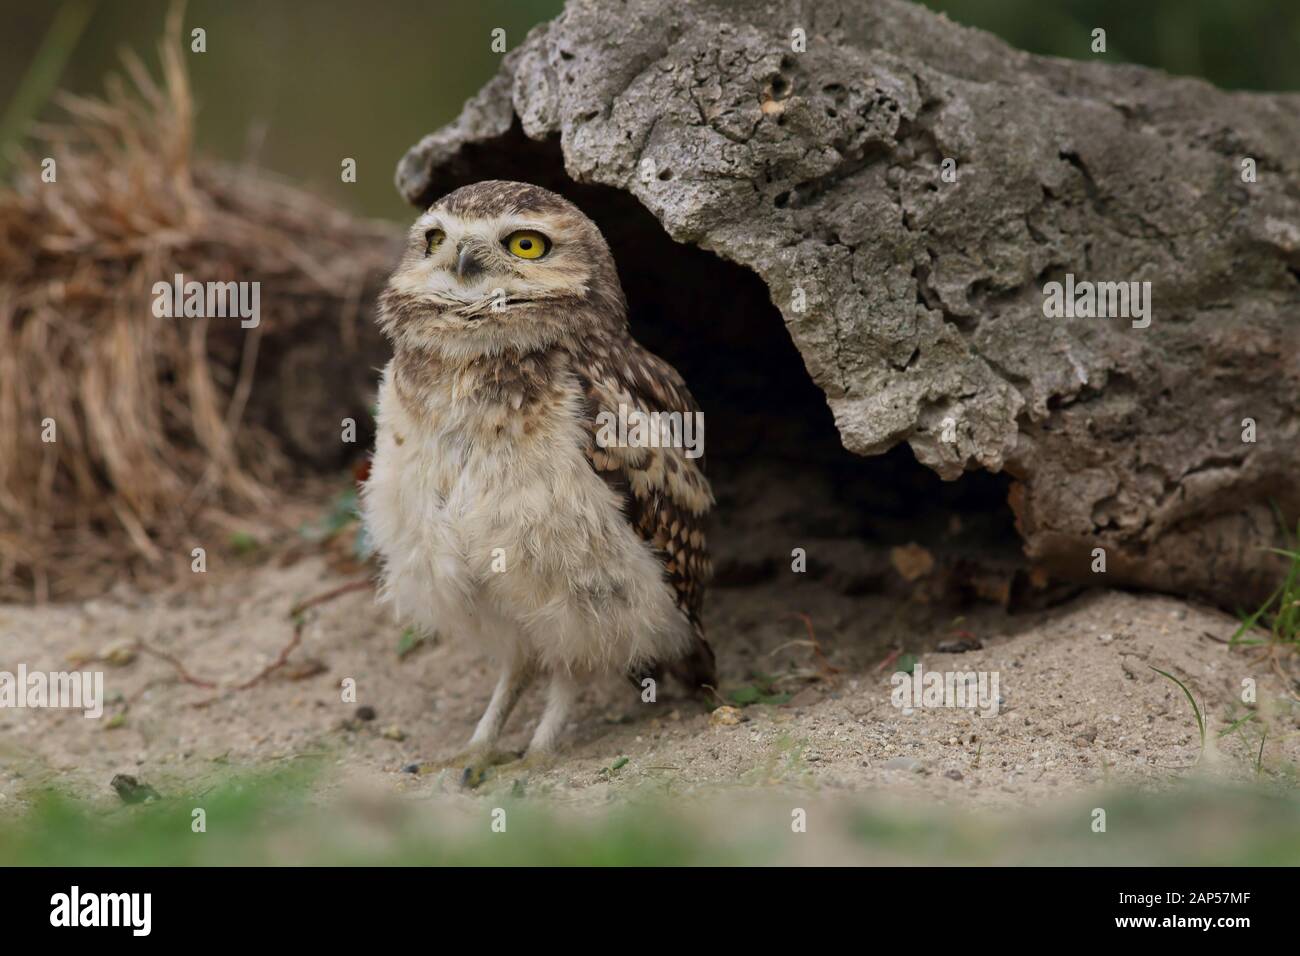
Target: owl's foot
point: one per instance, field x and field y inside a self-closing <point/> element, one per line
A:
<point x="536" y="760"/>
<point x="474" y="765"/>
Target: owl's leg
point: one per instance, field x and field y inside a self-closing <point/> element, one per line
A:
<point x="474" y="762"/>
<point x="515" y="677"/>
<point x="560" y="698"/>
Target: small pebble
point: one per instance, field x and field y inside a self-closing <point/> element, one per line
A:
<point x="118" y="654"/>
<point x="366" y="712"/>
<point x="725" y="717"/>
<point x="132" y="790"/>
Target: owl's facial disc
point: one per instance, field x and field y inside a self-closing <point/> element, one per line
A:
<point x="500" y="265"/>
<point x="491" y="268"/>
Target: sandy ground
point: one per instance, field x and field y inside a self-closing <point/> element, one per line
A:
<point x="1080" y="705"/>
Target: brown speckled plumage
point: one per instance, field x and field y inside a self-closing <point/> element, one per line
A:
<point x="666" y="496"/>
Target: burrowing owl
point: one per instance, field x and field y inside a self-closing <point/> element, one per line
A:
<point x="499" y="511"/>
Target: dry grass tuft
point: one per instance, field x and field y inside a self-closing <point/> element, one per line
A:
<point x="163" y="430"/>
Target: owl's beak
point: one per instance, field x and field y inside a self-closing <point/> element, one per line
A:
<point x="467" y="265"/>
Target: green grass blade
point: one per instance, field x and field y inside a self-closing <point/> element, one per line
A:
<point x="1236" y="724"/>
<point x="42" y="76"/>
<point x="1200" y="719"/>
<point x="1248" y="622"/>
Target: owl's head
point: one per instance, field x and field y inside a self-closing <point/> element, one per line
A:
<point x="500" y="266"/>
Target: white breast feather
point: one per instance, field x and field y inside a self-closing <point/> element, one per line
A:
<point x="581" y="591"/>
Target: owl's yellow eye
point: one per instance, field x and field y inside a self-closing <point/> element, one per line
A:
<point x="432" y="239"/>
<point x="527" y="244"/>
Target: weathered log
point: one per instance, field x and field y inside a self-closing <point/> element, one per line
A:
<point x="918" y="304"/>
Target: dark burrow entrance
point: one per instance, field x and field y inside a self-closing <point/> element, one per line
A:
<point x="782" y="478"/>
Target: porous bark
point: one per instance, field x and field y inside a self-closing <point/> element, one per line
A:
<point x="820" y="171"/>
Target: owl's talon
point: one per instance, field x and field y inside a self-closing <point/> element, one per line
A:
<point x="539" y="760"/>
<point x="472" y="757"/>
<point x="472" y="776"/>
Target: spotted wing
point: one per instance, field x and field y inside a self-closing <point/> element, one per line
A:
<point x="664" y="492"/>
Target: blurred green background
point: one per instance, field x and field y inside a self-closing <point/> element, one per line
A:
<point x="254" y="820"/>
<point x="298" y="86"/>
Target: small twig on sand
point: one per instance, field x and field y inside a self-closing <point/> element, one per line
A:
<point x="795" y="643"/>
<point x="893" y="655"/>
<point x="329" y="595"/>
<point x="281" y="659"/>
<point x="823" y="662"/>
<point x="181" y="672"/>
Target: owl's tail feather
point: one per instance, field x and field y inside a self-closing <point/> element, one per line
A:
<point x="698" y="668"/>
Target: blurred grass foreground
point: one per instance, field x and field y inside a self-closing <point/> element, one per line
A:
<point x="274" y="820"/>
